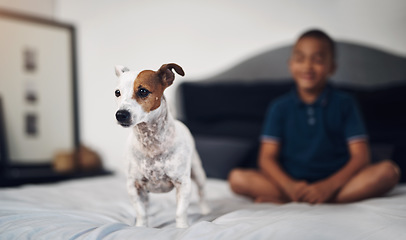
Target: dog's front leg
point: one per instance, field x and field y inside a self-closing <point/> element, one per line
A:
<point x="139" y="198"/>
<point x="183" y="189"/>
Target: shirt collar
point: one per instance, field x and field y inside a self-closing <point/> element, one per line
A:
<point x="321" y="100"/>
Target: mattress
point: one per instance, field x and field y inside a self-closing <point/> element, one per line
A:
<point x="99" y="208"/>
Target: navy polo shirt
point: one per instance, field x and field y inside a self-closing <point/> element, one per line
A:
<point x="314" y="137"/>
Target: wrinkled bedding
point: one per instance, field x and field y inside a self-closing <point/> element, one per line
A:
<point x="99" y="208"/>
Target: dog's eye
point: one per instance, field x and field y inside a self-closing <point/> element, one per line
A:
<point x="142" y="92"/>
<point x="117" y="92"/>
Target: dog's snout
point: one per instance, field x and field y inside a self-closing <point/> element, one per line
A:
<point x="123" y="116"/>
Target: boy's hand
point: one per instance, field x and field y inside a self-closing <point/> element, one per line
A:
<point x="316" y="193"/>
<point x="295" y="190"/>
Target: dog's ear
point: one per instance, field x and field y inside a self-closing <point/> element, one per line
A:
<point x="120" y="70"/>
<point x="166" y="74"/>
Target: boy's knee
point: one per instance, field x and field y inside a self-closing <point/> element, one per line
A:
<point x="237" y="180"/>
<point x="389" y="172"/>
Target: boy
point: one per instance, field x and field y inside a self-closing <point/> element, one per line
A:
<point x="314" y="147"/>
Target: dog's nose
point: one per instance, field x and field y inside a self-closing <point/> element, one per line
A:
<point x="123" y="116"/>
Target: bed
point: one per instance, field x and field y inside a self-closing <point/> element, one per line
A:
<point x="98" y="208"/>
<point x="227" y="137"/>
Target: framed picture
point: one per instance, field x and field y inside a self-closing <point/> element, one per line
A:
<point x="3" y="146"/>
<point x="38" y="89"/>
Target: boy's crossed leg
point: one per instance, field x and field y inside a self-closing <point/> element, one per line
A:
<point x="372" y="181"/>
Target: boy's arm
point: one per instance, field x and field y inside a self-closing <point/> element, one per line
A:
<point x="270" y="167"/>
<point x="359" y="158"/>
<point x="323" y="190"/>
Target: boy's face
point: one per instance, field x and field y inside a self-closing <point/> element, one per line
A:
<point x="311" y="64"/>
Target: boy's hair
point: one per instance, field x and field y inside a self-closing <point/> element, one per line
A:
<point x="319" y="34"/>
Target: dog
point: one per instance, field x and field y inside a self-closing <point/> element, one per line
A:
<point x="161" y="151"/>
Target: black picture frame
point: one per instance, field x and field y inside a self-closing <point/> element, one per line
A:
<point x="3" y="142"/>
<point x="10" y="167"/>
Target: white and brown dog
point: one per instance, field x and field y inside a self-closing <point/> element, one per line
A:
<point x="161" y="151"/>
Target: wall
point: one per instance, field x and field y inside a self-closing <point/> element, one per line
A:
<point x="41" y="8"/>
<point x="204" y="37"/>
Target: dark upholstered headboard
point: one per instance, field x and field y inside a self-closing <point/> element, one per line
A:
<point x="225" y="112"/>
<point x="358" y="65"/>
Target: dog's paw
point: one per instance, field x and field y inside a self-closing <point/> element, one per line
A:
<point x="182" y="225"/>
<point x="181" y="222"/>
<point x="141" y="222"/>
<point x="204" y="208"/>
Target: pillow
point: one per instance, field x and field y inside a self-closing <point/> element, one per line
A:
<point x="381" y="151"/>
<point x="218" y="101"/>
<point x="220" y="155"/>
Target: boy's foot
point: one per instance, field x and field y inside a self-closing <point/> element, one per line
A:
<point x="269" y="199"/>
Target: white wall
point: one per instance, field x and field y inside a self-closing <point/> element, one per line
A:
<point x="204" y="37"/>
<point x="42" y="8"/>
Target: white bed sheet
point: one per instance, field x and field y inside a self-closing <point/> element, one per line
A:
<point x="99" y="208"/>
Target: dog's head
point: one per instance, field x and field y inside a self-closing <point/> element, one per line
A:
<point x="139" y="95"/>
